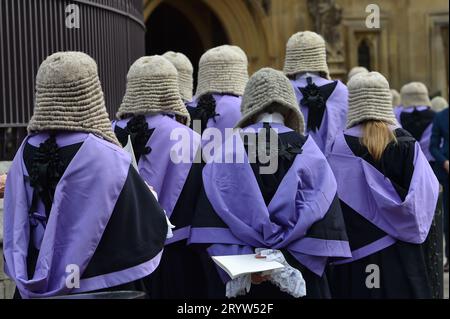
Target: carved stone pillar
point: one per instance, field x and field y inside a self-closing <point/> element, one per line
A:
<point x="327" y="18"/>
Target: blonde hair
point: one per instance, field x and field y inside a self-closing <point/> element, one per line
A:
<point x="376" y="137"/>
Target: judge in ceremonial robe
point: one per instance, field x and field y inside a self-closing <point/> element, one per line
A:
<point x="388" y="194"/>
<point x="288" y="212"/>
<point x="323" y="102"/>
<point x="416" y="116"/>
<point x="222" y="77"/>
<point x="356" y="70"/>
<point x="185" y="74"/>
<point x="154" y="118"/>
<point x="78" y="217"/>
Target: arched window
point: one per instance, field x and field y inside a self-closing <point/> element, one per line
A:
<point x="364" y="54"/>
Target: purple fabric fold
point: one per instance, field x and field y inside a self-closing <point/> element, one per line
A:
<point x="372" y="195"/>
<point x="303" y="198"/>
<point x="368" y="250"/>
<point x="335" y="116"/>
<point x="173" y="150"/>
<point x="316" y="264"/>
<point x="425" y="143"/>
<point x="38" y="217"/>
<point x="179" y="234"/>
<point x="322" y="247"/>
<point x="208" y="235"/>
<point x="119" y="277"/>
<point x="76" y="222"/>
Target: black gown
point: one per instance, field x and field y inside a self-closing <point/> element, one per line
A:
<point x="403" y="271"/>
<point x="126" y="241"/>
<point x="180" y="267"/>
<point x="327" y="228"/>
<point x="417" y="122"/>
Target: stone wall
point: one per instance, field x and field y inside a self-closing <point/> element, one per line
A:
<point x="6" y="285"/>
<point x="410" y="45"/>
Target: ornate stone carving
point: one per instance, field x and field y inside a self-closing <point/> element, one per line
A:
<point x="327" y="18"/>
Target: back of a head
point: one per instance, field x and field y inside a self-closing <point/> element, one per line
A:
<point x="396" y="98"/>
<point x="439" y="104"/>
<point x="185" y="73"/>
<point x="152" y="88"/>
<point x="222" y="70"/>
<point x="415" y="94"/>
<point x="306" y="52"/>
<point x="69" y="97"/>
<point x="356" y="70"/>
<point x="370" y="104"/>
<point x="269" y="88"/>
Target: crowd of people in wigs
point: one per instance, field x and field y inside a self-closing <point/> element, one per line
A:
<point x="356" y="181"/>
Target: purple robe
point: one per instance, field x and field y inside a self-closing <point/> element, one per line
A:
<point x="368" y="192"/>
<point x="83" y="205"/>
<point x="164" y="168"/>
<point x="335" y="116"/>
<point x="302" y="199"/>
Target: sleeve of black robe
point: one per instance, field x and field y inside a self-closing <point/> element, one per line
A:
<point x="135" y="233"/>
<point x="184" y="209"/>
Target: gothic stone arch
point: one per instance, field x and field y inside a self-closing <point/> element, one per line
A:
<point x="242" y="23"/>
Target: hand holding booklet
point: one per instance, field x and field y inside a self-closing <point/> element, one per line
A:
<point x="238" y="265"/>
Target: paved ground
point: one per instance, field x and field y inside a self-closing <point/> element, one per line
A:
<point x="446" y="286"/>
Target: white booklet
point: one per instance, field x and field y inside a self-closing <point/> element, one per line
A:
<point x="238" y="265"/>
<point x="129" y="149"/>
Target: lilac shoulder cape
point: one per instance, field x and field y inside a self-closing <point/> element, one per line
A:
<point x="372" y="195"/>
<point x="166" y="168"/>
<point x="228" y="108"/>
<point x="335" y="116"/>
<point x="76" y="222"/>
<point x="303" y="198"/>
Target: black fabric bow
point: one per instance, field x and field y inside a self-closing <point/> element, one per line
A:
<point x="139" y="133"/>
<point x="46" y="171"/>
<point x="288" y="151"/>
<point x="315" y="98"/>
<point x="205" y="110"/>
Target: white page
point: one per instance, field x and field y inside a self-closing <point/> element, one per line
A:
<point x="237" y="265"/>
<point x="129" y="149"/>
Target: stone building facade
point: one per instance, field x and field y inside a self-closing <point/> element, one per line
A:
<point x="411" y="43"/>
